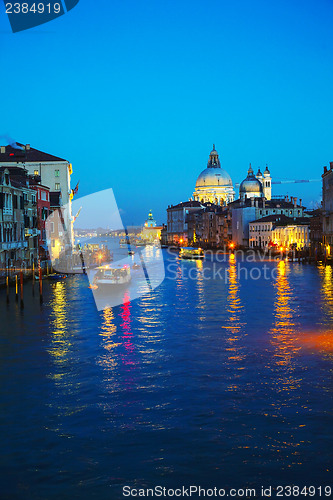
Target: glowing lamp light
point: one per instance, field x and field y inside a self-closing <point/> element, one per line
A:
<point x="232" y="245"/>
<point x="181" y="240"/>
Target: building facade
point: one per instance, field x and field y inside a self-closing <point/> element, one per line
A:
<point x="328" y="210"/>
<point x="178" y="220"/>
<point x="280" y="231"/>
<point x="18" y="219"/>
<point x="51" y="171"/>
<point x="245" y="210"/>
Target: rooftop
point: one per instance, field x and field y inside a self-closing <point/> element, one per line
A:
<point x="20" y="153"/>
<point x="283" y="220"/>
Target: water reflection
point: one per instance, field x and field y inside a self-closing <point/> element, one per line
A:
<point x="64" y="354"/>
<point x="127" y="336"/>
<point x="234" y="326"/>
<point x="283" y="334"/>
<point x="200" y="287"/>
<point x="322" y="340"/>
<point x="234" y="305"/>
<point x="60" y="342"/>
<point x="326" y="275"/>
<point x="108" y="335"/>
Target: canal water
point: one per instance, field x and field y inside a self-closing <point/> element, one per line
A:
<point x="223" y="382"/>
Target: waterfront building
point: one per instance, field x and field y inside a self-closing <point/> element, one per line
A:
<point x="51" y="171"/>
<point x="150" y="222"/>
<point x="43" y="212"/>
<point x="280" y="231"/>
<point x="54" y="227"/>
<point x="328" y="210"/>
<point x="164" y="235"/>
<point x="178" y="217"/>
<point x="214" y="184"/>
<point x="316" y="233"/>
<point x="210" y="227"/>
<point x="18" y="219"/>
<point x="243" y="211"/>
<point x="150" y="231"/>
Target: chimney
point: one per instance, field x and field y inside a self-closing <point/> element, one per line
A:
<point x="27" y="147"/>
<point x="3" y="149"/>
<point x="300" y="202"/>
<point x="325" y="170"/>
<point x="295" y="202"/>
<point x="331" y="165"/>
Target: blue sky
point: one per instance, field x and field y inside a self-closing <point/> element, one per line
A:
<point x="135" y="93"/>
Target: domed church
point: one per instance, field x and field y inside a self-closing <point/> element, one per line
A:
<point x="214" y="184"/>
<point x="256" y="186"/>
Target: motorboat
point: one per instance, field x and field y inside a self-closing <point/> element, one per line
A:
<point x="112" y="276"/>
<point x="191" y="253"/>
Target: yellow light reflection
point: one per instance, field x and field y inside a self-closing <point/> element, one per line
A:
<point x="60" y="343"/>
<point x="108" y="335"/>
<point x="326" y="274"/>
<point x="284" y="337"/>
<point x="234" y="325"/>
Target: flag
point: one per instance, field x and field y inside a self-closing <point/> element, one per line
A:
<point x="75" y="190"/>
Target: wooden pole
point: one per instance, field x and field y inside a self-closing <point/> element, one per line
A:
<point x="16" y="288"/>
<point x="40" y="285"/>
<point x="7" y="286"/>
<point x="21" y="285"/>
<point x="33" y="279"/>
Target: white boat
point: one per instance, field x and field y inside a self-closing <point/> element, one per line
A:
<point x="191" y="253"/>
<point x="112" y="276"/>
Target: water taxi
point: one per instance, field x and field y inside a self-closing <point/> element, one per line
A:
<point x="108" y="276"/>
<point x="191" y="253"/>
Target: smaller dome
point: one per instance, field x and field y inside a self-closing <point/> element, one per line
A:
<point x="250" y="186"/>
<point x="267" y="172"/>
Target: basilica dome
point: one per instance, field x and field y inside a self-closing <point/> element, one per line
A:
<point x="214" y="184"/>
<point x="211" y="177"/>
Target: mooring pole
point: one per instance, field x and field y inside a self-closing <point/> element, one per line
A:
<point x="21" y="285"/>
<point x="7" y="287"/>
<point x="40" y="285"/>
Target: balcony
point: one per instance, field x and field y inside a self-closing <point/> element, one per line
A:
<point x="13" y="245"/>
<point x="30" y="233"/>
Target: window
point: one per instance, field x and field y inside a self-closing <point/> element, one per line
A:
<point x="57" y="186"/>
<point x="36" y="172"/>
<point x="43" y="197"/>
<point x="57" y="173"/>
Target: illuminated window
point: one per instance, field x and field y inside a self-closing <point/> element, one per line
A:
<point x="57" y="186"/>
<point x="57" y="173"/>
<point x="36" y="172"/>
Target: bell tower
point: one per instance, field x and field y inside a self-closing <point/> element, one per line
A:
<point x="267" y="184"/>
